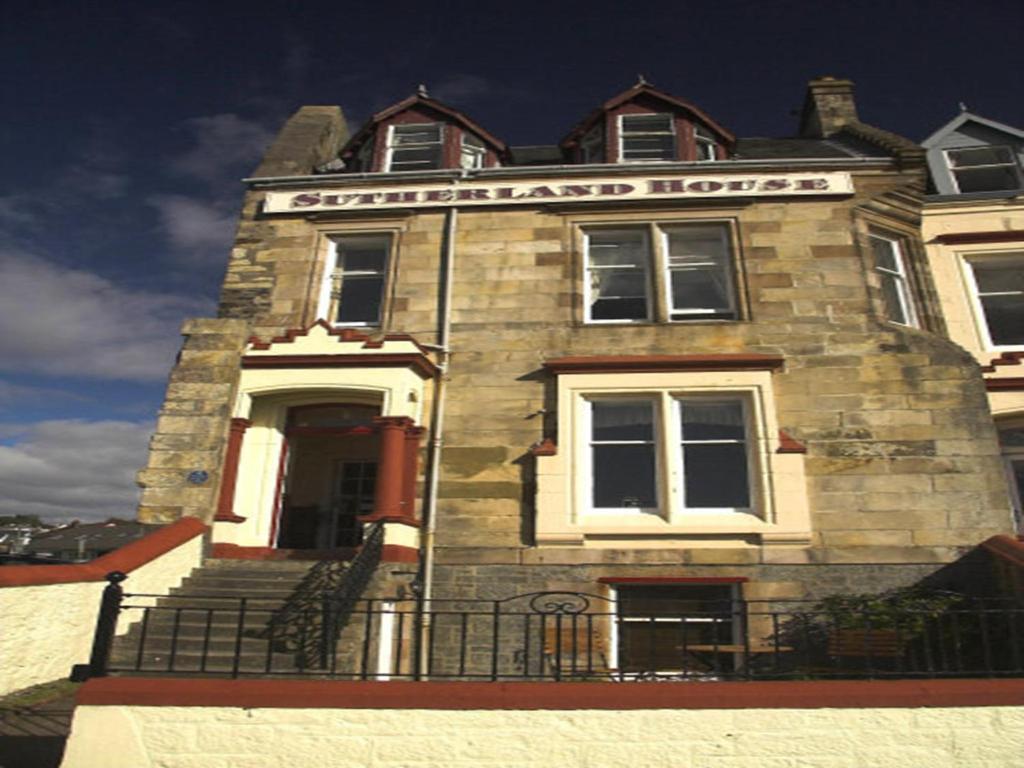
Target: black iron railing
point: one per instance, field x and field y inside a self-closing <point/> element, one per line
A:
<point x="568" y="636"/>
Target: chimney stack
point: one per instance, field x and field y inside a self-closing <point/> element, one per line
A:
<point x="828" y="106"/>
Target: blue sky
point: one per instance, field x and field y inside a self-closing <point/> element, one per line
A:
<point x="127" y="127"/>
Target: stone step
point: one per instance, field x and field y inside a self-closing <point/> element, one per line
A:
<point x="195" y="662"/>
<point x="265" y="566"/>
<point x="210" y="579"/>
<point x="256" y="590"/>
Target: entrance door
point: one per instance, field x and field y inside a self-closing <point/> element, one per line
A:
<point x="330" y="477"/>
<point x="354" y="485"/>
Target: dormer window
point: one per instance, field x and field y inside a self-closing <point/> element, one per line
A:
<point x="414" y="147"/>
<point x="647" y="138"/>
<point x="983" y="169"/>
<point x="706" y="151"/>
<point x="472" y="152"/>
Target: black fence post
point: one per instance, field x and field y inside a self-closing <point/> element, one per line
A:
<point x="106" y="624"/>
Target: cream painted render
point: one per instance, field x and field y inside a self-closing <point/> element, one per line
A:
<point x="782" y="513"/>
<point x="48" y="629"/>
<point x="194" y="737"/>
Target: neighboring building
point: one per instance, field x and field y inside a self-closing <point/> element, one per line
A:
<point x="86" y="541"/>
<point x="656" y="358"/>
<point x="973" y="228"/>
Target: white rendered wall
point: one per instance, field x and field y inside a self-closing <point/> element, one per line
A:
<point x="221" y="737"/>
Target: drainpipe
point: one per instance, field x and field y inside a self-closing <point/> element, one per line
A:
<point x="436" y="439"/>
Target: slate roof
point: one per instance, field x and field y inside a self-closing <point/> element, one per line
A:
<point x="98" y="537"/>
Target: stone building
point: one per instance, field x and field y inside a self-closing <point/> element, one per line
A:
<point x="652" y="356"/>
<point x="973" y="228"/>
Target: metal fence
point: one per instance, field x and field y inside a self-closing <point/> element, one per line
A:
<point x="558" y="636"/>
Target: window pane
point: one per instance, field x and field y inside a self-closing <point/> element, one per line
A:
<point x="618" y="283"/>
<point x="960" y="158"/>
<point x="646" y="123"/>
<point x="360" y="299"/>
<point x="626" y="420"/>
<point x="649" y="147"/>
<point x="1012" y="437"/>
<point x="1004" y="316"/>
<point x="619" y="248"/>
<point x="1000" y="276"/>
<point x="986" y="179"/>
<point x="696" y="599"/>
<point x="417" y="157"/>
<point x="712" y="421"/>
<point x="618" y="309"/>
<point x="715" y="475"/>
<point x="699" y="289"/>
<point x="624" y="476"/>
<point x="885" y="254"/>
<point x="419" y="133"/>
<point x="892" y="298"/>
<point x="656" y="646"/>
<point x="363" y="258"/>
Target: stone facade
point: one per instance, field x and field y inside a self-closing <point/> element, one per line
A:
<point x="902" y="471"/>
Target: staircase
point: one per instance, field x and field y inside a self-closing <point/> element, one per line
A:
<point x="228" y="617"/>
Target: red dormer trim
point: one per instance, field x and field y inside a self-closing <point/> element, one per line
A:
<point x="644" y="98"/>
<point x="423" y="109"/>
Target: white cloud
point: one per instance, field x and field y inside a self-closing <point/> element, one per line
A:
<point x="16" y="394"/>
<point x="198" y="229"/>
<point x="66" y="469"/>
<point x="70" y="322"/>
<point x="226" y="145"/>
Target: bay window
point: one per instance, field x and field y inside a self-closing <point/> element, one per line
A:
<point x="647" y="138"/>
<point x="357" y="275"/>
<point x="890" y="265"/>
<point x="690" y="265"/>
<point x="997" y="286"/>
<point x="414" y="147"/>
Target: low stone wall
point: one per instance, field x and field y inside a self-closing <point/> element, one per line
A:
<point x="48" y="612"/>
<point x="123" y="724"/>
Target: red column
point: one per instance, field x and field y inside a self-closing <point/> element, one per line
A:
<point x="410" y="472"/>
<point x="229" y="472"/>
<point x="387" y="500"/>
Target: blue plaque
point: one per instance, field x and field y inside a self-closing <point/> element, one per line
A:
<point x="198" y="476"/>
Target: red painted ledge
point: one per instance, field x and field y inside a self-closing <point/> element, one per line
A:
<point x="1006" y="548"/>
<point x="127" y="558"/>
<point x="343" y="694"/>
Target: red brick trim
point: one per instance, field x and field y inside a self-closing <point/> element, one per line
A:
<point x="1007" y="358"/>
<point x="970" y="238"/>
<point x="396" y="553"/>
<point x="673" y="580"/>
<point x="788" y="445"/>
<point x="343" y="334"/>
<point x="331" y="694"/>
<point x="229" y="473"/>
<point x="664" y="363"/>
<point x="419" y="364"/>
<point x="1004" y="547"/>
<point x="126" y="558"/>
<point x="1013" y="384"/>
<point x="545" y="447"/>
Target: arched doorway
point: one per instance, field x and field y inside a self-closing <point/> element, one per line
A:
<point x="328" y="475"/>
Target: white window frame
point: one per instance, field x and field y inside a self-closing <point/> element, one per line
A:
<point x="390" y="149"/>
<point x="706" y="147"/>
<point x="737" y="611"/>
<point x="672" y="131"/>
<point x="968" y="260"/>
<point x="334" y="277"/>
<point x="472" y="149"/>
<point x="780" y="511"/>
<point x="645" y="266"/>
<point x="1012" y="163"/>
<point x="899" y="277"/>
<point x="658" y="272"/>
<point x="670" y="470"/>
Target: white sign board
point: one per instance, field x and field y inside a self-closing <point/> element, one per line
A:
<point x="471" y="192"/>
